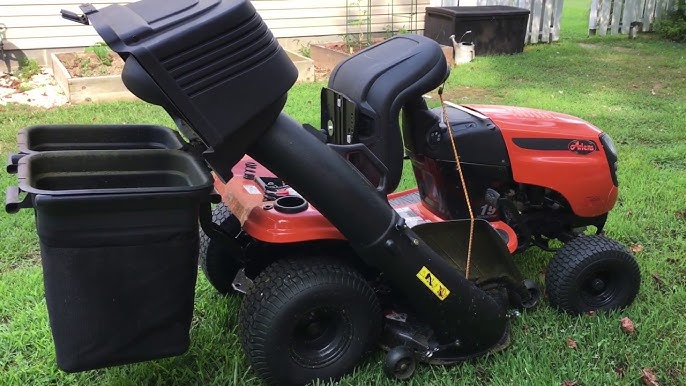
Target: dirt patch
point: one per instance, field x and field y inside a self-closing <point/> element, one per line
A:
<point x="588" y="46"/>
<point x="351" y="48"/>
<point x="321" y="74"/>
<point x="85" y="64"/>
<point x="466" y="95"/>
<point x="657" y="88"/>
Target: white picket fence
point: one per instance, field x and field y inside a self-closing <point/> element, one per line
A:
<point x="615" y="16"/>
<point x="544" y="17"/>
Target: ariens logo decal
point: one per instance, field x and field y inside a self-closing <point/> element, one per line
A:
<point x="579" y="146"/>
<point x="582" y="146"/>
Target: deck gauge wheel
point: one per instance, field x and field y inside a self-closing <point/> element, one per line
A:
<point x="400" y="363"/>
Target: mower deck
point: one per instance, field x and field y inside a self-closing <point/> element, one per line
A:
<point x="254" y="195"/>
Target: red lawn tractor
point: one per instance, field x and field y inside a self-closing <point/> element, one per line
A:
<point x="332" y="260"/>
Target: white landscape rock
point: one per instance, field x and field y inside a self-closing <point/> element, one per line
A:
<point x="40" y="91"/>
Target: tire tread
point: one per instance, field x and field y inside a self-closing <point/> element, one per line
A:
<point x="284" y="280"/>
<point x="569" y="260"/>
<point x="207" y="258"/>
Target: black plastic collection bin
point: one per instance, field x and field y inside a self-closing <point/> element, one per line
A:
<point x="118" y="232"/>
<point x="495" y="29"/>
<point x="35" y="139"/>
<point x="42" y="138"/>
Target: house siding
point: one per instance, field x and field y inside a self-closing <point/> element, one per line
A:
<point x="36" y="24"/>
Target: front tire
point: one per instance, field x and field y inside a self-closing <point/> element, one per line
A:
<point x="306" y="319"/>
<point x="592" y="273"/>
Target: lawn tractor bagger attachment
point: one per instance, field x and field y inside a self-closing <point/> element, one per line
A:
<point x="331" y="261"/>
<point x="215" y="66"/>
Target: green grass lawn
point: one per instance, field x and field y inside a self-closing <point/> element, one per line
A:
<point x="634" y="90"/>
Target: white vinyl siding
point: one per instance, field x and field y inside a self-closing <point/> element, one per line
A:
<point x="36" y="24"/>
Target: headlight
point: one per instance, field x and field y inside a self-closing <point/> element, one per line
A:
<point x="611" y="154"/>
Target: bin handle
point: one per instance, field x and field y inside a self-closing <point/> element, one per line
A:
<point x="12" y="202"/>
<point x="13" y="163"/>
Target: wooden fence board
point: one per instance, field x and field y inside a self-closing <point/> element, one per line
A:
<point x="604" y="16"/>
<point x="648" y="15"/>
<point x="557" y="15"/>
<point x="547" y="16"/>
<point x="537" y="8"/>
<point x="616" y="16"/>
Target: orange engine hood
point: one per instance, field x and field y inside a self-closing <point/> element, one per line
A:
<point x="537" y="123"/>
<point x="556" y="151"/>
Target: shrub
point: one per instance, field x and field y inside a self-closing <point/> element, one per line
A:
<point x="102" y="52"/>
<point x="673" y="25"/>
<point x="28" y="68"/>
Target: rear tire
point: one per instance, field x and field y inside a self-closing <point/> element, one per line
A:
<point x="592" y="273"/>
<point x="306" y="319"/>
<point x="216" y="261"/>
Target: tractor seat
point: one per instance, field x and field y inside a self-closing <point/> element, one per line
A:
<point x="380" y="80"/>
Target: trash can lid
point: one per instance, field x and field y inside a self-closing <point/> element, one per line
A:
<point x="479" y="11"/>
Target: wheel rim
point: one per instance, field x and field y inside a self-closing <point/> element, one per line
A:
<point x="320" y="337"/>
<point x="599" y="285"/>
<point x="404" y="368"/>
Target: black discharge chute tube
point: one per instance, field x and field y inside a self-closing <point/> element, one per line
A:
<point x="467" y="316"/>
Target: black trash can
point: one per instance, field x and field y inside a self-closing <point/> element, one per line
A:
<point x="41" y="138"/>
<point x="118" y="235"/>
<point x="495" y="29"/>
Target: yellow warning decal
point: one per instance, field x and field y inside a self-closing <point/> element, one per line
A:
<point x="432" y="282"/>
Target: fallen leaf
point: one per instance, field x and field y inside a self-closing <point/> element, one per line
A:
<point x="680" y="214"/>
<point x="648" y="377"/>
<point x="570" y="383"/>
<point x="591" y="313"/>
<point x="571" y="343"/>
<point x="636" y="248"/>
<point x="627" y="325"/>
<point x="620" y="370"/>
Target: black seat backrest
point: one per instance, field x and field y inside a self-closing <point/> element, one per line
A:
<point x="380" y="80"/>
